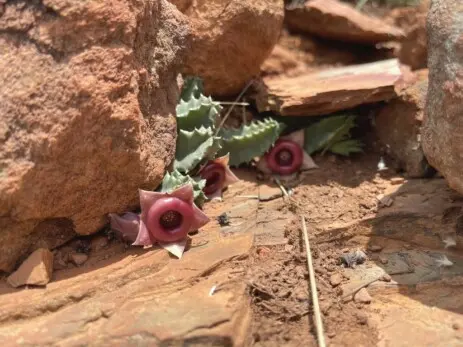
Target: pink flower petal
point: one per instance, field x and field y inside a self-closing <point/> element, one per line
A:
<point x="297" y="137"/>
<point x="200" y="219"/>
<point x="147" y="199"/>
<point x="307" y="162"/>
<point x="230" y="177"/>
<point x="144" y="237"/>
<point x="127" y="225"/>
<point x="184" y="193"/>
<point x="175" y="248"/>
<point x="217" y="195"/>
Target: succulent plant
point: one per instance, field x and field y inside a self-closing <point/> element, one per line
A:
<point x="165" y="218"/>
<point x="193" y="147"/>
<point x="332" y="134"/>
<point x="249" y="141"/>
<point x="175" y="179"/>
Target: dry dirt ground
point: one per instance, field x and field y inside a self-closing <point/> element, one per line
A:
<point x="257" y="264"/>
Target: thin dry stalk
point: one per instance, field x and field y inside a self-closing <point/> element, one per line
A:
<point x="224" y="119"/>
<point x="313" y="289"/>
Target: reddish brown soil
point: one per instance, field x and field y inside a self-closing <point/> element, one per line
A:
<point x="345" y="191"/>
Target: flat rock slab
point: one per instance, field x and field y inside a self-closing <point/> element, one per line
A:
<point x="338" y="21"/>
<point x="140" y="297"/>
<point x="424" y="213"/>
<point x="328" y="91"/>
<point x="427" y="318"/>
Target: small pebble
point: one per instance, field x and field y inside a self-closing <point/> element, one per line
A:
<point x="375" y="248"/>
<point x="456" y="326"/>
<point x="385" y="200"/>
<point x="362" y="296"/>
<point x="397" y="180"/>
<point x="98" y="243"/>
<point x="331" y="334"/>
<point x="383" y="260"/>
<point x="362" y="318"/>
<point x="60" y="260"/>
<point x="79" y="258"/>
<point x="386" y="278"/>
<point x="335" y="279"/>
<point x="325" y="306"/>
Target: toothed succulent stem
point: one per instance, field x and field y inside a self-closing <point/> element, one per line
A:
<point x="249" y="141"/>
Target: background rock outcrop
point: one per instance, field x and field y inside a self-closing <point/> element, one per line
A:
<point x="230" y="40"/>
<point x="398" y="126"/>
<point x="86" y="113"/>
<point x="443" y="122"/>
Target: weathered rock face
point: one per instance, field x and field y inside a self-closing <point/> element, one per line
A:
<point x="282" y="61"/>
<point x="335" y="20"/>
<point x="230" y="40"/>
<point x="413" y="48"/>
<point x="398" y="126"/>
<point x="86" y="113"/>
<point x="443" y="122"/>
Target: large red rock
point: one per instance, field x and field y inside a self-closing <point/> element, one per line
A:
<point x="230" y="41"/>
<point x="87" y="106"/>
<point x="398" y="126"/>
<point x="330" y="90"/>
<point x="443" y="126"/>
<point x="335" y="20"/>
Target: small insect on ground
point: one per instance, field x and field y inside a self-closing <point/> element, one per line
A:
<point x="223" y="219"/>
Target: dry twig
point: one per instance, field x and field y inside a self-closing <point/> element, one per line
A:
<point x="224" y="119"/>
<point x="313" y="289"/>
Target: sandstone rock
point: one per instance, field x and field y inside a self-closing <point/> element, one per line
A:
<point x="137" y="298"/>
<point x="328" y="91"/>
<point x="79" y="258"/>
<point x="335" y="279"/>
<point x="443" y="126"/>
<point x="375" y="247"/>
<point x="281" y="61"/>
<point x="398" y="126"/>
<point x="334" y="20"/>
<point x="182" y="5"/>
<point x="269" y="192"/>
<point x="231" y="40"/>
<point x="362" y="296"/>
<point x="36" y="270"/>
<point x="86" y="113"/>
<point x="413" y="49"/>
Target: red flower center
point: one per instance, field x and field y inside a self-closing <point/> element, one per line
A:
<point x="285" y="157"/>
<point x="170" y="219"/>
